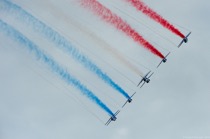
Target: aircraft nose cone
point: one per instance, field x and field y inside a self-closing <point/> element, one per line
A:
<point x="164" y="60"/>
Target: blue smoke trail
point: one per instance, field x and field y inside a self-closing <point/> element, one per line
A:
<point x="61" y="42"/>
<point x="20" y="38"/>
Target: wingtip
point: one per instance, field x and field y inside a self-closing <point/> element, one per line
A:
<point x="142" y="85"/>
<point x="168" y="54"/>
<point x="140" y="82"/>
<point x="159" y="63"/>
<point x="180" y="43"/>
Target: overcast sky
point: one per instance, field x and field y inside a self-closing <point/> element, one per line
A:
<point x="174" y="105"/>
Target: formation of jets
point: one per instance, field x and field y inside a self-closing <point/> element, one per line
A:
<point x="145" y="79"/>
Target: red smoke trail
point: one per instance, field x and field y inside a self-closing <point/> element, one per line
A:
<point x="116" y="21"/>
<point x="141" y="6"/>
